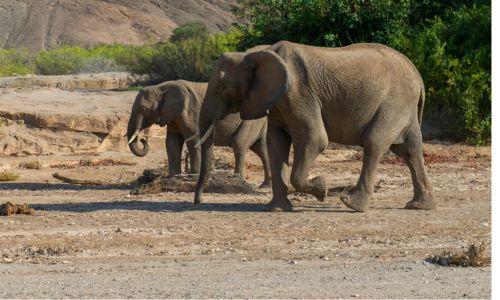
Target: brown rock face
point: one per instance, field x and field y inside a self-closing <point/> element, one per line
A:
<point x="43" y="24"/>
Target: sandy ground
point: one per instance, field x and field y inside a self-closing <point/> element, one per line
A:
<point x="103" y="242"/>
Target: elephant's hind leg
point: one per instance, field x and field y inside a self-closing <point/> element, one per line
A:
<point x="376" y="141"/>
<point x="240" y="165"/>
<point x="260" y="148"/>
<point x="411" y="151"/>
<point x="359" y="197"/>
<point x="174" y="144"/>
<point x="194" y="158"/>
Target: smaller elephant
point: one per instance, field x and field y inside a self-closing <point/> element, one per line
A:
<point x="177" y="105"/>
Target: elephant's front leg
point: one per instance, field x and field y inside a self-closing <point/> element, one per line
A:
<point x="304" y="156"/>
<point x="174" y="145"/>
<point x="278" y="143"/>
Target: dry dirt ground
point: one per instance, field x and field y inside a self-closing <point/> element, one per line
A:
<point x="103" y="242"/>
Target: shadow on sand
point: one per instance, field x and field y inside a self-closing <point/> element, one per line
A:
<point x="38" y="186"/>
<point x="155" y="206"/>
<point x="152" y="206"/>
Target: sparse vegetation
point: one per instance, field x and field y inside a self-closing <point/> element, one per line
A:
<point x="30" y="165"/>
<point x="474" y="256"/>
<point x="104" y="162"/>
<point x="8" y="176"/>
<point x="190" y="30"/>
<point x="189" y="55"/>
<point x="8" y="209"/>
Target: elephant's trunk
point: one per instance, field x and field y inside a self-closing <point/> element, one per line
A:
<point x="207" y="134"/>
<point x="134" y="127"/>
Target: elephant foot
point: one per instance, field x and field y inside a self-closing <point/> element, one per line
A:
<point x="197" y="199"/>
<point x="320" y="188"/>
<point x="279" y="206"/>
<point x="422" y="202"/>
<point x="356" y="200"/>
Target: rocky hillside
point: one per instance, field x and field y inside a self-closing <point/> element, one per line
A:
<point x="42" y="24"/>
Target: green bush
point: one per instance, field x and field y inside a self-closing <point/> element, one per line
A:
<point x="12" y="62"/>
<point x="190" y="59"/>
<point x="61" y="61"/>
<point x="191" y="30"/>
<point x="453" y="54"/>
<point x="321" y="22"/>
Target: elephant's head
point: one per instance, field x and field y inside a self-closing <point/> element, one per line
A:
<point x="248" y="82"/>
<point x="158" y="104"/>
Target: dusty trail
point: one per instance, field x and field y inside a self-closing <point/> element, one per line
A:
<point x="103" y="242"/>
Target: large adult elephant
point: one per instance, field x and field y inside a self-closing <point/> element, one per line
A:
<point x="177" y="104"/>
<point x="363" y="94"/>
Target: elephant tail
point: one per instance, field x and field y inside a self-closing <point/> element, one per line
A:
<point x="421" y="102"/>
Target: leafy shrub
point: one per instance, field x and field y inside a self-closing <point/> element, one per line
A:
<point x="321" y="22"/>
<point x="453" y="53"/>
<point x="189" y="59"/>
<point x="190" y="30"/>
<point x="61" y="61"/>
<point x="99" y="64"/>
<point x="14" y="61"/>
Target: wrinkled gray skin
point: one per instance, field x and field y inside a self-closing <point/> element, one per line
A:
<point x="363" y="94"/>
<point x="177" y="104"/>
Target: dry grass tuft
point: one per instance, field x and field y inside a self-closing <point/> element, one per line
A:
<point x="8" y="209"/>
<point x="220" y="163"/>
<point x="474" y="256"/>
<point x="106" y="162"/>
<point x="8" y="176"/>
<point x="31" y="165"/>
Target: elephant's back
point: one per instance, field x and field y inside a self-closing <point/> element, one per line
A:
<point x="361" y="60"/>
<point x="353" y="84"/>
<point x="197" y="88"/>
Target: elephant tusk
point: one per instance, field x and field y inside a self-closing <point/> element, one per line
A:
<point x="192" y="137"/>
<point x="205" y="136"/>
<point x="134" y="136"/>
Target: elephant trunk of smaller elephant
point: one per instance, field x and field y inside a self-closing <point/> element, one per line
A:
<point x="134" y="127"/>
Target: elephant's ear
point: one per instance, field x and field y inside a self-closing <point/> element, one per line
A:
<point x="269" y="80"/>
<point x="172" y="103"/>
